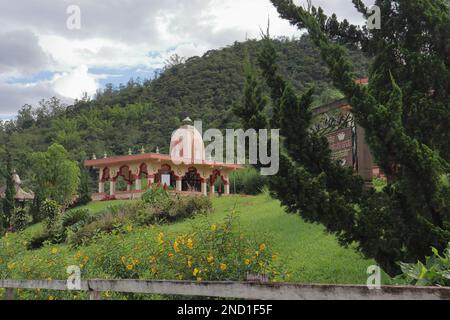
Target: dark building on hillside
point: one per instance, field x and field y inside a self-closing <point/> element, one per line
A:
<point x="346" y="138"/>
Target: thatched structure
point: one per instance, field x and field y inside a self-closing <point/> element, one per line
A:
<point x="21" y="195"/>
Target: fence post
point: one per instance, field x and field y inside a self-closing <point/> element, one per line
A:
<point x="95" y="295"/>
<point x="9" y="294"/>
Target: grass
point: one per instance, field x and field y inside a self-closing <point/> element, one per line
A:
<point x="307" y="252"/>
<point x="310" y="254"/>
<point x="99" y="206"/>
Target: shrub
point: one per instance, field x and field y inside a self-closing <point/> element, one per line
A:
<point x="20" y="219"/>
<point x="188" y="207"/>
<point x="208" y="252"/>
<point x="37" y="240"/>
<point x="248" y="181"/>
<point x="50" y="210"/>
<point x="75" y="216"/>
<point x="155" y="196"/>
<point x="139" y="213"/>
<point x="110" y="220"/>
<point x="436" y="270"/>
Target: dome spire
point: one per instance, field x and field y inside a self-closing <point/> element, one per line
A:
<point x="187" y="121"/>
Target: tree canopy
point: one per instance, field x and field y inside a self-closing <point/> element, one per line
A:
<point x="56" y="176"/>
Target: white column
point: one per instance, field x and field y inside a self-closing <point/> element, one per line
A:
<point x="112" y="187"/>
<point x="101" y="187"/>
<point x="128" y="186"/>
<point x="227" y="189"/>
<point x="213" y="189"/>
<point x="138" y="184"/>
<point x="204" y="188"/>
<point x="179" y="185"/>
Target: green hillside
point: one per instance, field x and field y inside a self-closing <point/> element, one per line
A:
<point x="145" y="113"/>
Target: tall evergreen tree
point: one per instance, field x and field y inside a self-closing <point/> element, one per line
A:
<point x="10" y="193"/>
<point x="253" y="108"/>
<point x="405" y="112"/>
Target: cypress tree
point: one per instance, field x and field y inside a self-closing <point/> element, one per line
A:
<point x="405" y="112"/>
<point x="10" y="193"/>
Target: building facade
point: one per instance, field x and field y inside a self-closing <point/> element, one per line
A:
<point x="185" y="171"/>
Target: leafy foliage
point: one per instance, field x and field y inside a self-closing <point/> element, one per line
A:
<point x="56" y="176"/>
<point x="248" y="181"/>
<point x="155" y="195"/>
<point x="20" y="219"/>
<point x="141" y="213"/>
<point x="50" y="210"/>
<point x="435" y="271"/>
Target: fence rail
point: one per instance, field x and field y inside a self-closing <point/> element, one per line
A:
<point x="240" y="290"/>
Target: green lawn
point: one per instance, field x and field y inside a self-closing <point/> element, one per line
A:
<point x="311" y="255"/>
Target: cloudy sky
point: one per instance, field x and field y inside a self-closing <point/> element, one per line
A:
<point x="41" y="57"/>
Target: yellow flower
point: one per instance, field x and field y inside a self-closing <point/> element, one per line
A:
<point x="51" y="298"/>
<point x="262" y="247"/>
<point x="176" y="246"/>
<point x="152" y="259"/>
<point x="214" y="227"/>
<point x="154" y="270"/>
<point x="196" y="272"/>
<point x="247" y="261"/>
<point x="54" y="250"/>
<point x="274" y="258"/>
<point x="161" y="238"/>
<point x="129" y="228"/>
<point x="210" y="259"/>
<point x="190" y="243"/>
<point x="130" y="267"/>
<point x="189" y="262"/>
<point x="199" y="279"/>
<point x="170" y="254"/>
<point x="223" y="266"/>
<point x="123" y="259"/>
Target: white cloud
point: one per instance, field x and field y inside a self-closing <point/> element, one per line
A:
<point x="73" y="84"/>
<point x="118" y="34"/>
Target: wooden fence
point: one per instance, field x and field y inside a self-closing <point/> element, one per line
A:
<point x="240" y="290"/>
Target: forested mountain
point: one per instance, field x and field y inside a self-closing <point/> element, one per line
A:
<point x="145" y="113"/>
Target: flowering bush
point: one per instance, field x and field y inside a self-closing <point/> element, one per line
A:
<point x="205" y="252"/>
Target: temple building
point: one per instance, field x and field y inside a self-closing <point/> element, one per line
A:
<point x="185" y="171"/>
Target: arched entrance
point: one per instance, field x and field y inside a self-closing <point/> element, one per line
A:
<point x="192" y="182"/>
<point x="218" y="183"/>
<point x="166" y="177"/>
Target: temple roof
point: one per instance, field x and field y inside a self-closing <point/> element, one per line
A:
<point x="21" y="195"/>
<point x="121" y="160"/>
